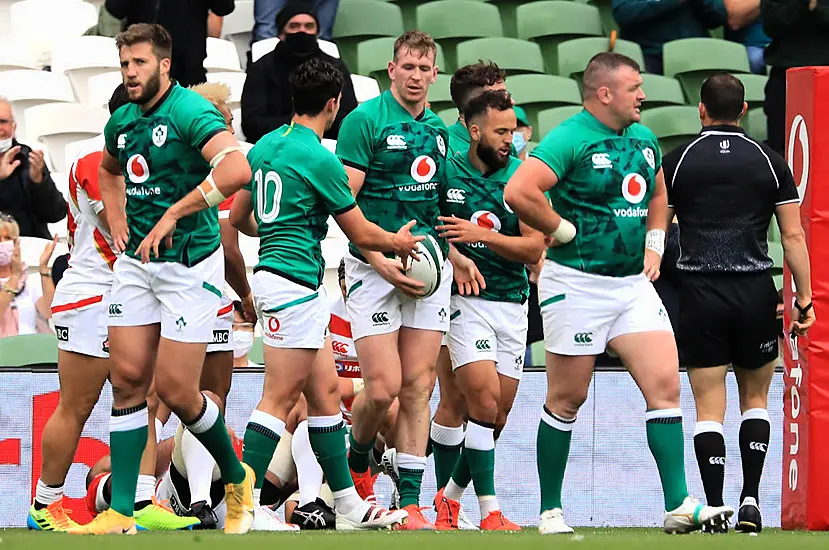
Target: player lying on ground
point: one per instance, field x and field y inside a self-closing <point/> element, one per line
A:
<point x="598" y="168"/>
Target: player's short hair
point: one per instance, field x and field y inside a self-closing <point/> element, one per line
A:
<point x="217" y="93"/>
<point x="120" y="97"/>
<point x="312" y="84"/>
<point x="471" y="79"/>
<point x="482" y="103"/>
<point x="723" y="95"/>
<point x="149" y="33"/>
<point x="416" y="41"/>
<point x="602" y="64"/>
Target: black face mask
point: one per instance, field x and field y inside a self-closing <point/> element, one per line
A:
<point x="301" y="44"/>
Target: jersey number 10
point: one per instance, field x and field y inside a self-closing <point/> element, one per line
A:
<point x="267" y="209"/>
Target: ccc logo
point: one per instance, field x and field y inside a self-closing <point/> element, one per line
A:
<point x="455" y="195"/>
<point x="583" y="338"/>
<point x="115" y="309"/>
<point x="757" y="446"/>
<point x="380" y="318"/>
<point x="482" y="345"/>
<point x="339" y="348"/>
<point x="717" y="460"/>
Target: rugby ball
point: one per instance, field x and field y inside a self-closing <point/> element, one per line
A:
<point x="428" y="269"/>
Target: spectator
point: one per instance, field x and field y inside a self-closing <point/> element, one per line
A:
<point x="242" y="337"/>
<point x="523" y="133"/>
<point x="799" y="32"/>
<point x="652" y="23"/>
<point x="265" y="12"/>
<point x="266" y="99"/>
<point x="27" y="191"/>
<point x="745" y="27"/>
<point x="24" y="304"/>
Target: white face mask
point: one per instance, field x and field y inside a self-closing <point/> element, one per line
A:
<point x="6" y="252"/>
<point x="518" y="141"/>
<point x="242" y="342"/>
<point x="5" y="144"/>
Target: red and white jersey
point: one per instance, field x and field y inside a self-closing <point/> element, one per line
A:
<point x="91" y="251"/>
<point x="345" y="353"/>
<point x="224" y="207"/>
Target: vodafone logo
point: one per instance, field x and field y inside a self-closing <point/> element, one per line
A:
<point x="137" y="169"/>
<point x="487" y="220"/>
<point x="634" y="188"/>
<point x="423" y="169"/>
<point x="799" y="134"/>
<point x="273" y="325"/>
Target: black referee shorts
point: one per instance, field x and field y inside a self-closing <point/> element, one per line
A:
<point x="727" y="319"/>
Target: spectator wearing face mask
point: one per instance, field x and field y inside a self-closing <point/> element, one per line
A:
<point x="242" y="337"/>
<point x="266" y="99"/>
<point x="523" y="133"/>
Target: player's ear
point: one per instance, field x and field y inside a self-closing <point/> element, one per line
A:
<point x="703" y="112"/>
<point x="604" y="95"/>
<point x="391" y="70"/>
<point x="474" y="132"/>
<point x="434" y="75"/>
<point x="164" y="65"/>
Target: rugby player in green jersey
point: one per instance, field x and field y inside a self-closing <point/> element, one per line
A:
<point x="171" y="160"/>
<point x="595" y="185"/>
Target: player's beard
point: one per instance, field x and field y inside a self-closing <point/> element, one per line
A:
<point x="151" y="88"/>
<point x="489" y="156"/>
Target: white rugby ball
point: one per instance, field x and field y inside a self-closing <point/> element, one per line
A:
<point x="427" y="270"/>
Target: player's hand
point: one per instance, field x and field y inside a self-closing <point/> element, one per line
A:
<point x="8" y="164"/>
<point x="392" y="270"/>
<point x="467" y="276"/>
<point x="46" y="255"/>
<point x="163" y="231"/>
<point x="652" y="263"/>
<point x="118" y="229"/>
<point x="458" y="230"/>
<point x="248" y="309"/>
<point x="404" y="243"/>
<point x="36" y="165"/>
<point x="801" y="321"/>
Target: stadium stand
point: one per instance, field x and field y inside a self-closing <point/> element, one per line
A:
<point x="511" y="54"/>
<point x="15" y="54"/>
<point x="237" y="27"/>
<point x="536" y="92"/>
<point x="261" y="48"/>
<point x="83" y="57"/>
<point x="550" y="118"/>
<point x="352" y="25"/>
<point x="221" y="56"/>
<point x="57" y="124"/>
<point x="450" y="22"/>
<point x="27" y="88"/>
<point x="439" y="96"/>
<point x="373" y="59"/>
<point x="40" y="22"/>
<point x="673" y="125"/>
<point x="692" y="60"/>
<point x="661" y="91"/>
<point x="573" y="55"/>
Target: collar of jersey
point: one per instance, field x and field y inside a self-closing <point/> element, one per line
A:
<point x="599" y="125"/>
<point x="723" y="128"/>
<point x="162" y="99"/>
<point x="299" y="129"/>
<point x="391" y="99"/>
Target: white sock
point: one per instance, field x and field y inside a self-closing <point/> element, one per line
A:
<point x="453" y="491"/>
<point x="488" y="504"/>
<point x="159" y="425"/>
<point x="47" y="495"/>
<point x="347" y="501"/>
<point x="101" y="503"/>
<point x="145" y="490"/>
<point x="256" y="494"/>
<point x="308" y="470"/>
<point x="450" y="436"/>
<point x="199" y="465"/>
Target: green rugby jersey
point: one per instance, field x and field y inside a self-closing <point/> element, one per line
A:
<point x="296" y="184"/>
<point x="160" y="156"/>
<point x="459" y="140"/>
<point x="605" y="181"/>
<point x="471" y="195"/>
<point x="404" y="160"/>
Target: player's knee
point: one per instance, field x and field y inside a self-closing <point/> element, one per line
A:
<point x="127" y="383"/>
<point x="566" y="404"/>
<point x="484" y="404"/>
<point x="381" y="399"/>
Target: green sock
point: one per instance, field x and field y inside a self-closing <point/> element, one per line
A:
<point x="461" y="474"/>
<point x="209" y="428"/>
<point x="667" y="446"/>
<point x="479" y="449"/>
<point x="552" y="451"/>
<point x="446" y="459"/>
<point x="127" y="439"/>
<point x="328" y="443"/>
<point x="261" y="438"/>
<point x="411" y="476"/>
<point x="358" y="454"/>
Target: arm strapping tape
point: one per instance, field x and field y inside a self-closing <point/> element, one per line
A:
<point x="222" y="154"/>
<point x="565" y="232"/>
<point x="212" y="195"/>
<point x="655" y="240"/>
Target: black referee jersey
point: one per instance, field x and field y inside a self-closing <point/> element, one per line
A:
<point x="724" y="188"/>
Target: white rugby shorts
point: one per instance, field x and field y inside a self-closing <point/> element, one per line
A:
<point x="292" y="316"/>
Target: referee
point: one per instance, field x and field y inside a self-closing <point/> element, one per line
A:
<point x="724" y="188"/>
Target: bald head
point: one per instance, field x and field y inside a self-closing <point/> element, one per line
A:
<point x="612" y="86"/>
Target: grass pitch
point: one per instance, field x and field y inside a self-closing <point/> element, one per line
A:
<point x="529" y="539"/>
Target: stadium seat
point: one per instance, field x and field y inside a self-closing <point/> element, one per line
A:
<point x="511" y="54"/>
<point x="257" y="352"/>
<point x="536" y="92"/>
<point x="15" y="54"/>
<point x="605" y="8"/>
<point x="5" y="17"/>
<point x="448" y="116"/>
<point x="774" y="232"/>
<point x="353" y="25"/>
<point x="221" y="56"/>
<point x="550" y="118"/>
<point x="508" y="8"/>
<point x="73" y="150"/>
<point x="538" y="354"/>
<point x="549" y="23"/>
<point x="661" y="91"/>
<point x="41" y="22"/>
<point x="61" y="180"/>
<point x="83" y="57"/>
<point x="30" y="250"/>
<point x="236" y="82"/>
<point x="261" y="48"/>
<point x="439" y="96"/>
<point x="237" y="27"/>
<point x="29" y="350"/>
<point x="101" y="87"/>
<point x="26" y="88"/>
<point x="755" y="87"/>
<point x="374" y="56"/>
<point x="573" y="55"/>
<point x="57" y="124"/>
<point x="450" y="22"/>
<point x="673" y="126"/>
<point x="365" y="88"/>
<point x="755" y="124"/>
<point x="692" y="60"/>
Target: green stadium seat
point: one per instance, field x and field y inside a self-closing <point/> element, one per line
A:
<point x="439" y="97"/>
<point x="774" y="232"/>
<point x="606" y="13"/>
<point x="409" y="8"/>
<point x="353" y="26"/>
<point x="755" y="86"/>
<point x="550" y="118"/>
<point x="508" y="15"/>
<point x="754" y="123"/>
<point x="530" y="146"/>
<point x="29" y="350"/>
<point x="776" y="255"/>
<point x="450" y="22"/>
<point x="549" y="23"/>
<point x="257" y="352"/>
<point x="449" y="116"/>
<point x="573" y="55"/>
<point x="373" y="58"/>
<point x="692" y="60"/>
<point x="661" y="91"/>
<point x="511" y="54"/>
<point x="538" y="354"/>
<point x="673" y="126"/>
<point x="536" y="92"/>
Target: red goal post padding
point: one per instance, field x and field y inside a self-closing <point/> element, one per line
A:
<point x="806" y="398"/>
